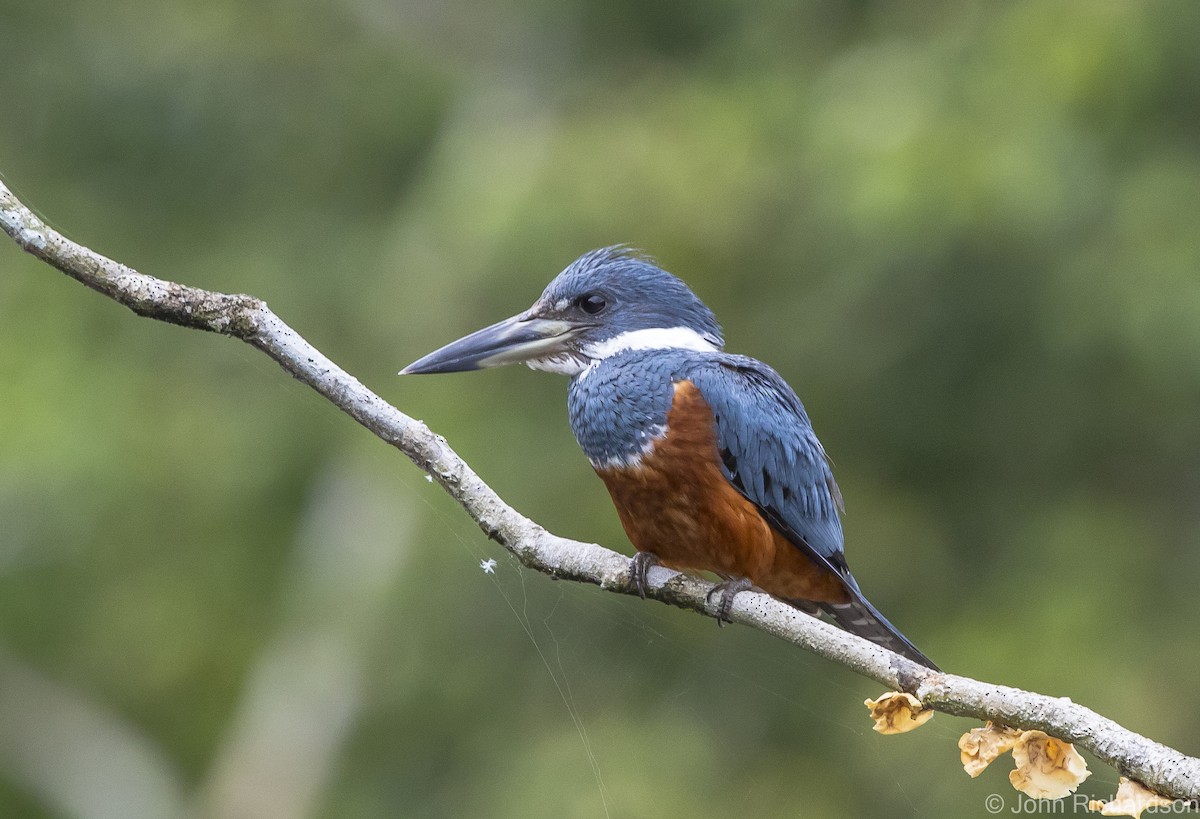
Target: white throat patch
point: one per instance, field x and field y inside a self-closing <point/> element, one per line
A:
<point x="656" y="338"/>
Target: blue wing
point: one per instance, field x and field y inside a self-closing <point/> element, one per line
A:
<point x="771" y="454"/>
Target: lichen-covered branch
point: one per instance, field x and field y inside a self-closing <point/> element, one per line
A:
<point x="1157" y="766"/>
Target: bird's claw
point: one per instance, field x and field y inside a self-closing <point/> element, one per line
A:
<point x="728" y="590"/>
<point x="642" y="562"/>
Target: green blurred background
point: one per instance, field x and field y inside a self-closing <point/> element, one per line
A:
<point x="966" y="232"/>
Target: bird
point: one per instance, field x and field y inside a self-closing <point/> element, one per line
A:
<point x="710" y="457"/>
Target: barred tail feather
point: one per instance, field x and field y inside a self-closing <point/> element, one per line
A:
<point x="861" y="618"/>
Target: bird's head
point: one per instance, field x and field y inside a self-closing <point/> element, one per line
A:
<point x="606" y="301"/>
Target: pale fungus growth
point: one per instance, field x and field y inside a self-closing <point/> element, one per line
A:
<point x="897" y="713"/>
<point x="980" y="746"/>
<point x="1131" y="799"/>
<point x="1047" y="767"/>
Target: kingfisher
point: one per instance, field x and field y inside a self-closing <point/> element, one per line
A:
<point x="710" y="458"/>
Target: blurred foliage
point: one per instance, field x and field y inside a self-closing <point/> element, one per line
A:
<point x="965" y="232"/>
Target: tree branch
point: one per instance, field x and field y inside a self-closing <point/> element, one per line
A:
<point x="1161" y="768"/>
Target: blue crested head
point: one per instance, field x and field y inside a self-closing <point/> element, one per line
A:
<point x="606" y="301"/>
<point x="624" y="291"/>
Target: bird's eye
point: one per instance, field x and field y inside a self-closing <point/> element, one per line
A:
<point x="592" y="303"/>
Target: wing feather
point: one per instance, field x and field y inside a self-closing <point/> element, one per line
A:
<point x="770" y="453"/>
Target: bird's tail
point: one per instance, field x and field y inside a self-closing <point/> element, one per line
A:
<point x="861" y="618"/>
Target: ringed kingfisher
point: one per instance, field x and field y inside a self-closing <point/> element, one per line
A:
<point x="710" y="457"/>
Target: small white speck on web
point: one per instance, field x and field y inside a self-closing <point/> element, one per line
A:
<point x="488" y="566"/>
<point x="429" y="478"/>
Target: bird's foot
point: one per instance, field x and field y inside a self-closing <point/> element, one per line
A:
<point x="728" y="590"/>
<point x="642" y="561"/>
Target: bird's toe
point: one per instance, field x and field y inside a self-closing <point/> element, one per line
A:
<point x="638" y="568"/>
<point x="728" y="590"/>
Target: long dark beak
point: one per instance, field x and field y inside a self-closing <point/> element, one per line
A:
<point x="512" y="341"/>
